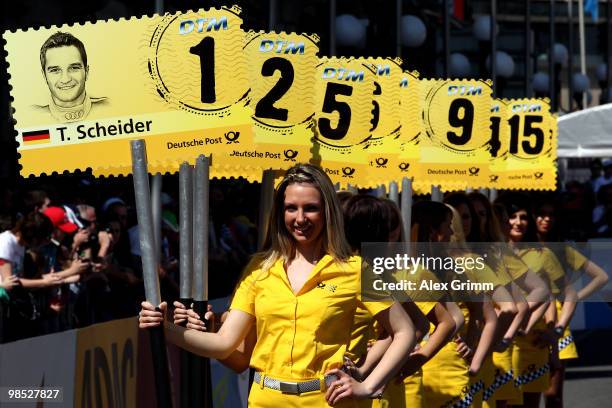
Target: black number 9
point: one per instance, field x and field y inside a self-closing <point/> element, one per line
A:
<point x="466" y="121"/>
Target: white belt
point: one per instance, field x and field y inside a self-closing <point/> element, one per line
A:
<point x="292" y="387"/>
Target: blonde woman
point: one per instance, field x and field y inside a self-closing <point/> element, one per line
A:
<point x="300" y="293"/>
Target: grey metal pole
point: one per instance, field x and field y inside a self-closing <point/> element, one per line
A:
<point x="186" y="269"/>
<point x="608" y="94"/>
<point x="150" y="268"/>
<point x="200" y="222"/>
<point x="201" y="387"/>
<point x="272" y="15"/>
<point x="493" y="45"/>
<point x="394" y="192"/>
<point x="406" y="207"/>
<point x="551" y="57"/>
<point x="484" y="192"/>
<point x="493" y="195"/>
<point x="332" y="28"/>
<point x="436" y="194"/>
<point x="528" y="69"/>
<point x="446" y="39"/>
<point x="145" y="221"/>
<point x="352" y="189"/>
<point x="398" y="28"/>
<point x="570" y="54"/>
<point x="265" y="204"/>
<point x="159" y="6"/>
<point x="156" y="211"/>
<point x="186" y="230"/>
<point x="381" y="191"/>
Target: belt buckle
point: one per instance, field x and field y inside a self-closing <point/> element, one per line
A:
<point x="288" y="387"/>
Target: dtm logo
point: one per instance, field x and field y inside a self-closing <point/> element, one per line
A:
<point x="538" y="175"/>
<point x="404" y="166"/>
<point x="474" y="171"/>
<point x="381" y="162"/>
<point x="348" y="172"/>
<point x="493" y="178"/>
<point x="232" y="137"/>
<point x="290" y="155"/>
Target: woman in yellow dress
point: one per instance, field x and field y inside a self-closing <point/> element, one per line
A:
<point x="533" y="354"/>
<point x="369" y="219"/>
<point x="446" y="376"/>
<point x="573" y="262"/>
<point x="301" y="294"/>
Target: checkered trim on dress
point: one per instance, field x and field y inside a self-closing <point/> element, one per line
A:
<point x="531" y="376"/>
<point x="566" y="341"/>
<point x="499" y="382"/>
<point x="466" y="401"/>
<point x="273" y="384"/>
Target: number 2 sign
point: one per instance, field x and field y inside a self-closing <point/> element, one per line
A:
<point x="282" y="69"/>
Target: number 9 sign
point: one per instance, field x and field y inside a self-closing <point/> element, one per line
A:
<point x="457" y="131"/>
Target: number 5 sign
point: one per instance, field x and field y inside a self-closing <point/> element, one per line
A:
<point x="180" y="81"/>
<point x="456" y="123"/>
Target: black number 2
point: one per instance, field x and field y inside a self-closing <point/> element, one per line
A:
<point x="206" y="51"/>
<point x="265" y="107"/>
<point x="466" y="122"/>
<point x="330" y="105"/>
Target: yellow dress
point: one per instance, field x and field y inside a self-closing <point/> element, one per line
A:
<point x="567" y="347"/>
<point x="530" y="362"/>
<point x="301" y="336"/>
<point x="503" y="386"/>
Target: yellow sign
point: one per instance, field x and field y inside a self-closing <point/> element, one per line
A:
<point x="179" y="81"/>
<point x="282" y="68"/>
<point x="532" y="145"/>
<point x="453" y="148"/>
<point x="343" y="112"/>
<point x="383" y="154"/>
<point x="106" y="364"/>
<point x="411" y="103"/>
<point x="498" y="144"/>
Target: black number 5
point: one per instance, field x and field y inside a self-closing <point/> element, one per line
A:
<point x="265" y="107"/>
<point x="330" y="105"/>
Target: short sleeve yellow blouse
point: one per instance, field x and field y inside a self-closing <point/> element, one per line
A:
<point x="301" y="336"/>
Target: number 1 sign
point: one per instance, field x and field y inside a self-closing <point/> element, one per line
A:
<point x="179" y="81"/>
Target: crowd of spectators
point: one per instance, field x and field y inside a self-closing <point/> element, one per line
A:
<point x="70" y="256"/>
<point x="70" y="253"/>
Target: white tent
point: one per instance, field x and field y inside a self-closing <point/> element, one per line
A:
<point x="586" y="133"/>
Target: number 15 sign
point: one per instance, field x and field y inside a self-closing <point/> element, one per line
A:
<point x="180" y="81"/>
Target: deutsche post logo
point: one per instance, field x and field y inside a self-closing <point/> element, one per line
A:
<point x="474" y="171"/>
<point x="290" y="155"/>
<point x="381" y="162"/>
<point x="232" y="137"/>
<point x="493" y="178"/>
<point x="348" y="172"/>
<point x="538" y="175"/>
<point x="404" y="166"/>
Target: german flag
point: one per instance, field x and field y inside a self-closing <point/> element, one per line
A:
<point x="36" y="137"/>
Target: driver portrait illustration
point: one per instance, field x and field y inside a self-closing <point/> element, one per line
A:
<point x="63" y="61"/>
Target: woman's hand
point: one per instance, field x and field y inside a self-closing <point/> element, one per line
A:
<point x="182" y="315"/>
<point x="463" y="349"/>
<point x="351" y="369"/>
<point x="345" y="387"/>
<point x="10" y="282"/>
<point x="149" y="317"/>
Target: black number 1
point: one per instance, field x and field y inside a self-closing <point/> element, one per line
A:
<point x="206" y="51"/>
